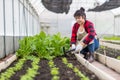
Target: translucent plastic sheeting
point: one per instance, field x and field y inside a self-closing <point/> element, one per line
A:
<point x="37" y="5"/>
<point x="116" y="11"/>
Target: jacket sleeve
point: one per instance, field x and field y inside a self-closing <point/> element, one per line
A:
<point x="91" y="34"/>
<point x="73" y="35"/>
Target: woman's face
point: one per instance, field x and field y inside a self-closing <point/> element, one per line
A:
<point x="80" y="20"/>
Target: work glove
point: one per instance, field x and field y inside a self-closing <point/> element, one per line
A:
<point x="79" y="47"/>
<point x="73" y="46"/>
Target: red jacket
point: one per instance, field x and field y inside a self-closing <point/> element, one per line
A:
<point x="89" y="28"/>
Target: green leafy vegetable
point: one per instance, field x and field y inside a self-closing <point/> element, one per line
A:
<point x="43" y="46"/>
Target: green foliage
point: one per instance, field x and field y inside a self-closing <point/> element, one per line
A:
<point x="118" y="57"/>
<point x="112" y="38"/>
<point x="54" y="71"/>
<point x="43" y="46"/>
<point x="10" y="71"/>
<point x="76" y="70"/>
<point x="64" y="60"/>
<point x="70" y="65"/>
<point x="102" y="47"/>
<point x="51" y="63"/>
<point x="25" y="46"/>
<point x="55" y="78"/>
<point x="31" y="72"/>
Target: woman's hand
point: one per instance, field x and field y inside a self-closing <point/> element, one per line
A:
<point x="73" y="46"/>
<point x="79" y="47"/>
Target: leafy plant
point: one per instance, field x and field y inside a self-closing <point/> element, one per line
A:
<point x="55" y="78"/>
<point x="51" y="63"/>
<point x="43" y="46"/>
<point x="25" y="46"/>
<point x="70" y="65"/>
<point x="75" y="69"/>
<point x="54" y="71"/>
<point x="64" y="60"/>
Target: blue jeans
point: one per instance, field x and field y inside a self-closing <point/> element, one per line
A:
<point x="91" y="47"/>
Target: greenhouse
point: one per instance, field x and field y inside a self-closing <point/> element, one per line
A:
<point x="59" y="40"/>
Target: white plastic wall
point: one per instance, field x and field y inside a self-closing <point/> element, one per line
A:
<point x="117" y="25"/>
<point x="1" y="18"/>
<point x="8" y="26"/>
<point x="103" y="22"/>
<point x="1" y="29"/>
<point x="16" y="24"/>
<point x="17" y="20"/>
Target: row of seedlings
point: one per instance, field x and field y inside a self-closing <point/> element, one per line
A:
<point x="75" y="69"/>
<point x="54" y="70"/>
<point x="12" y="70"/>
<point x="32" y="72"/>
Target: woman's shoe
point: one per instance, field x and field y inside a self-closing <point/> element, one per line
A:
<point x="85" y="56"/>
<point x="91" y="57"/>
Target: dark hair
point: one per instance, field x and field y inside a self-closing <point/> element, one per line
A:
<point x="80" y="12"/>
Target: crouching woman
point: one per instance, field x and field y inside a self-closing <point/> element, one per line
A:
<point x="84" y="38"/>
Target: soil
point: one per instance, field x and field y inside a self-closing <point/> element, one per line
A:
<point x="82" y="68"/>
<point x="65" y="72"/>
<point x="68" y="74"/>
<point x="114" y="53"/>
<point x="44" y="71"/>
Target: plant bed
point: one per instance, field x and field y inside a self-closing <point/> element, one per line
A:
<point x="112" y="39"/>
<point x="76" y="64"/>
<point x="21" y="72"/>
<point x="115" y="38"/>
<point x="44" y="71"/>
<point x="114" y="53"/>
<point x="112" y="42"/>
<point x="40" y="57"/>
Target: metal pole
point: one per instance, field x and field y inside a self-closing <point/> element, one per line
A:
<point x="13" y="26"/>
<point x="4" y="27"/>
<point x="19" y="19"/>
<point x="25" y="20"/>
<point x="32" y="26"/>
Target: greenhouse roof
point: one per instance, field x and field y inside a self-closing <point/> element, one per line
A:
<point x="37" y="5"/>
<point x="116" y="11"/>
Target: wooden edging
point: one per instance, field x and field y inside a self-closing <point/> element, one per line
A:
<point x="109" y="61"/>
<point x="110" y="45"/>
<point x="5" y="63"/>
<point x="101" y="74"/>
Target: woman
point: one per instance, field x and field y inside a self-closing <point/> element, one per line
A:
<point x="84" y="37"/>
